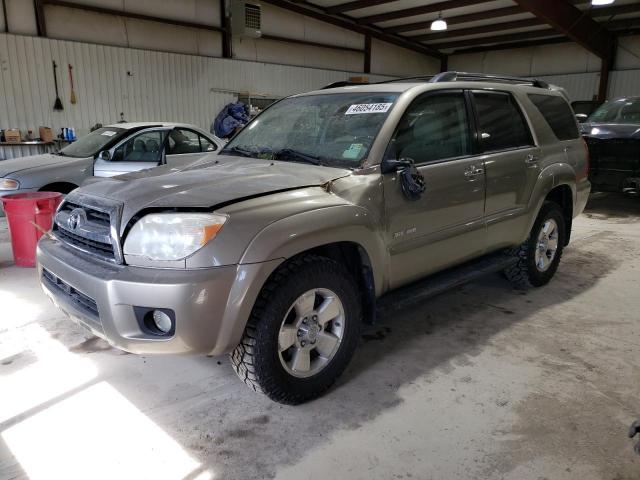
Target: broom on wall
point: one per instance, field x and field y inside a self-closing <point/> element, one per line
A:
<point x="57" y="105"/>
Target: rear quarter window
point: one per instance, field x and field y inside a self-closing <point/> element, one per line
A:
<point x="558" y="114"/>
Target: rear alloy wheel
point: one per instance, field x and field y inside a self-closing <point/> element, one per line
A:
<point x="302" y="332"/>
<point x="539" y="256"/>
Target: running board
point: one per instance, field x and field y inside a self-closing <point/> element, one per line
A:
<point x="446" y="280"/>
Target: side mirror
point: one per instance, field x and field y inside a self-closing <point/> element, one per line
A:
<point x="390" y="165"/>
<point x="104" y="155"/>
<point x="581" y="117"/>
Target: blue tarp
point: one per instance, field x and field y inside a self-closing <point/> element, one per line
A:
<point x="232" y="116"/>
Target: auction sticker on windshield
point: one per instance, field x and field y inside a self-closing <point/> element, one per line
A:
<point x="368" y="108"/>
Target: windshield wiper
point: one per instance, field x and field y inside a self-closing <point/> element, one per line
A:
<point x="296" y="155"/>
<point x="245" y="152"/>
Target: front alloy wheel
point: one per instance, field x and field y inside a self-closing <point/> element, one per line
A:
<point x="302" y="332"/>
<point x="311" y="332"/>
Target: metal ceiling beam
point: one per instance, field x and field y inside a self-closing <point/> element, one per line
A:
<point x="511" y="37"/>
<point x="570" y="21"/>
<point x="355" y="5"/>
<point x="410" y="12"/>
<point x="621" y="27"/>
<point x="348" y="23"/>
<point x="469" y="17"/>
<point x="462" y="32"/>
<point x="529" y="22"/>
<point x="137" y="16"/>
<point x="508" y="46"/>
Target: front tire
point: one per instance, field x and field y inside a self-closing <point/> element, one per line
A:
<point x="302" y="332"/>
<point x="539" y="256"/>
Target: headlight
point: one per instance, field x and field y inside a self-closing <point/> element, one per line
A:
<point x="9" y="184"/>
<point x="172" y="236"/>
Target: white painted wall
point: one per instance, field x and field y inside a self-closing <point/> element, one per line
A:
<point x="564" y="64"/>
<point x="159" y="86"/>
<point x="389" y="59"/>
<point x="74" y="24"/>
<point x="554" y="59"/>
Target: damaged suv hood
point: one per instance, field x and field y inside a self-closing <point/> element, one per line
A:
<point x="210" y="182"/>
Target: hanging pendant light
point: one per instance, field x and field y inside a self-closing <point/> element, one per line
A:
<point x="439" y="24"/>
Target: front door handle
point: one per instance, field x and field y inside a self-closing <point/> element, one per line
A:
<point x="473" y="171"/>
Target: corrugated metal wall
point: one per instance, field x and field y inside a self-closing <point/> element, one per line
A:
<point x="624" y="83"/>
<point x="579" y="86"/>
<point x="583" y="86"/>
<point x="144" y="85"/>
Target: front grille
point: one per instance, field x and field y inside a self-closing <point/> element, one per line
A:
<point x="81" y="301"/>
<point x="88" y="229"/>
<point x="90" y="246"/>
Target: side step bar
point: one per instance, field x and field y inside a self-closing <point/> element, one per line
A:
<point x="446" y="280"/>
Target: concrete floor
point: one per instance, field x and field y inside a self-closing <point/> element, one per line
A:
<point x="484" y="382"/>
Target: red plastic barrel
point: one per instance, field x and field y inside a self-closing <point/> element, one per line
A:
<point x="23" y="211"/>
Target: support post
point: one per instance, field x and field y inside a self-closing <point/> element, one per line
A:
<point x="367" y="54"/>
<point x="41" y="26"/>
<point x="226" y="31"/>
<point x="444" y="63"/>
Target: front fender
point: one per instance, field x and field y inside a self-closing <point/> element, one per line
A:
<point x="301" y="232"/>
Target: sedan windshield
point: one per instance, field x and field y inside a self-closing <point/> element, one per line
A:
<point x="96" y="141"/>
<point x="330" y="129"/>
<point x="618" y="111"/>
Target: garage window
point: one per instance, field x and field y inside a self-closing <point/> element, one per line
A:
<point x="558" y="115"/>
<point x="500" y="121"/>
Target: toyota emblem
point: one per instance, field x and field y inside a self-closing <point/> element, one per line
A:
<point x="75" y="218"/>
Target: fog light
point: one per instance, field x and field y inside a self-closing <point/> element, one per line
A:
<point x="162" y="321"/>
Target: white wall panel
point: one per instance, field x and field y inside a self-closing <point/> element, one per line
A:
<point x="554" y="59"/>
<point x="159" y="86"/>
<point x="624" y="83"/>
<point x="628" y="56"/>
<point x="579" y="86"/>
<point x="387" y="59"/>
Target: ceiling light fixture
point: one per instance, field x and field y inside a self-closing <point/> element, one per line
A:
<point x="440" y="23"/>
<point x="597" y="3"/>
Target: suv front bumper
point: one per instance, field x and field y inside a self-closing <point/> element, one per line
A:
<point x="211" y="305"/>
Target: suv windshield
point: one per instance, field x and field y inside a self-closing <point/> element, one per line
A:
<point x="91" y="144"/>
<point x="619" y="111"/>
<point x="330" y="129"/>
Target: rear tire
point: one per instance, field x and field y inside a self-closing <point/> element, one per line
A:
<point x="539" y="256"/>
<point x="302" y="332"/>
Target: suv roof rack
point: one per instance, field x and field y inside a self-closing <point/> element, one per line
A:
<point x="343" y="83"/>
<point x="453" y="76"/>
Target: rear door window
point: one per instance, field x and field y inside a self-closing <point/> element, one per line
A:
<point x="558" y="115"/>
<point x="501" y="124"/>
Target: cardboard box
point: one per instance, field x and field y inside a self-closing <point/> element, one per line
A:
<point x="12" y="135"/>
<point x="46" y="134"/>
<point x="360" y="79"/>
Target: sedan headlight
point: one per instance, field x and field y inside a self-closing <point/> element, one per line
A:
<point x="172" y="236"/>
<point x="9" y="184"/>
